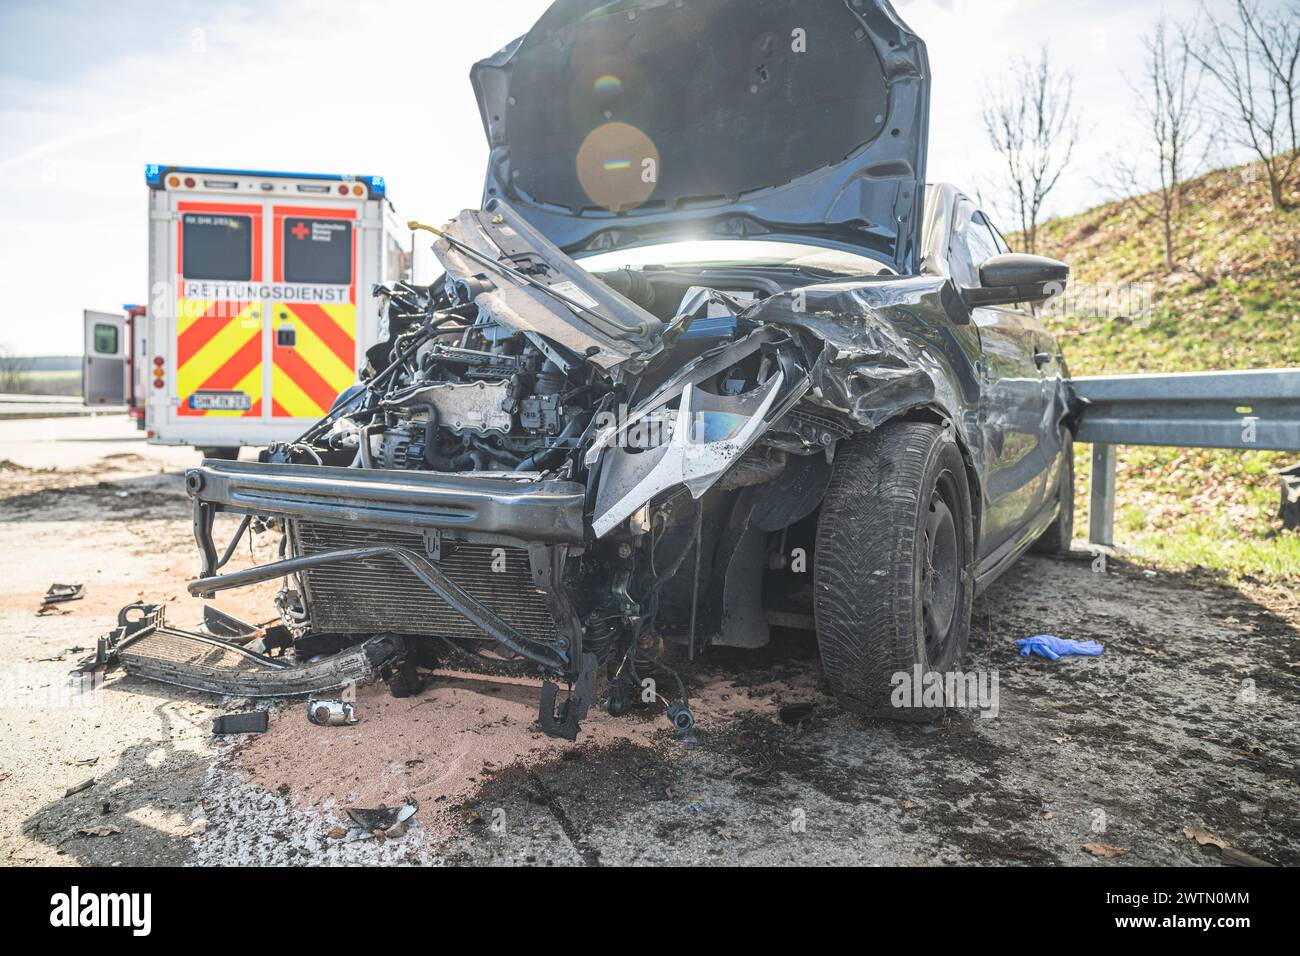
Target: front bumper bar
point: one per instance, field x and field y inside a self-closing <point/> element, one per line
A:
<point x="516" y="506"/>
<point x="523" y="508"/>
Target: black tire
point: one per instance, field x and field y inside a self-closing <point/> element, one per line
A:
<point x="876" y="602"/>
<point x="1056" y="539"/>
<point x="223" y="452"/>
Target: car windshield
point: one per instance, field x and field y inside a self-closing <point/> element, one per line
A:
<point x="720" y="253"/>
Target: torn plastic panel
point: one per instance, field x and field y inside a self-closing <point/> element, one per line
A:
<point x="709" y="435"/>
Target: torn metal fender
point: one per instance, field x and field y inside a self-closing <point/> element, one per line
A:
<point x="879" y="350"/>
<point x="876" y="349"/>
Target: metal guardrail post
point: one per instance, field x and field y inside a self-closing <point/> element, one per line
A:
<point x="1101" y="509"/>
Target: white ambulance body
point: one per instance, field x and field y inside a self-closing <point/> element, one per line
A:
<point x="259" y="310"/>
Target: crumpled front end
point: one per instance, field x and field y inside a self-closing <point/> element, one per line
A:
<point x="578" y="476"/>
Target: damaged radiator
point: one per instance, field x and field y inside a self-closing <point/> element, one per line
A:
<point x="144" y="644"/>
<point x="380" y="594"/>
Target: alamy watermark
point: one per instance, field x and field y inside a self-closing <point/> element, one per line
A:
<point x="958" y="690"/>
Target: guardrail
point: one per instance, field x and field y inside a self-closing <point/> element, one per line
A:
<point x="1251" y="410"/>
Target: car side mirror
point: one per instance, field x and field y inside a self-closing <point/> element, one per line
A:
<point x="1016" y="277"/>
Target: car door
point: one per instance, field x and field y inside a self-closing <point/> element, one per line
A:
<point x="104" y="367"/>
<point x="1051" y="363"/>
<point x="1012" y="405"/>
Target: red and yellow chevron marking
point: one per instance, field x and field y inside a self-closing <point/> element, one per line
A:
<point x="218" y="347"/>
<point x="307" y="376"/>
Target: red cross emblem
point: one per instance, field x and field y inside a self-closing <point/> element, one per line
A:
<point x="300" y="230"/>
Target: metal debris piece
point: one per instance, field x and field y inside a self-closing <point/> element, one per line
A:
<point x="59" y="593"/>
<point x="382" y="818"/>
<point x="248" y="722"/>
<point x="220" y="624"/>
<point x="331" y="713"/>
<point x="84" y="785"/>
<point x="796" y="713"/>
<point x="146" y="645"/>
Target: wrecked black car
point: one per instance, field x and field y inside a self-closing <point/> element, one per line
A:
<point x="711" y="359"/>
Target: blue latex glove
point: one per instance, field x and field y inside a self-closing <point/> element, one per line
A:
<point x="1054" y="648"/>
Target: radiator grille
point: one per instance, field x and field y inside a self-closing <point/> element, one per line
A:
<point x="381" y="594"/>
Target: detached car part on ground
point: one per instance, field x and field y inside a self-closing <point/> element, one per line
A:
<point x="779" y="382"/>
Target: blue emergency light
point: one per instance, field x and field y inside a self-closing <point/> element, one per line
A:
<point x="154" y="174"/>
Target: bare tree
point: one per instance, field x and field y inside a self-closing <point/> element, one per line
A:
<point x="12" y="368"/>
<point x="1252" y="59"/>
<point x="1031" y="124"/>
<point x="1167" y="94"/>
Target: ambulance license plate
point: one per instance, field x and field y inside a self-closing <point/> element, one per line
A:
<point x="221" y="401"/>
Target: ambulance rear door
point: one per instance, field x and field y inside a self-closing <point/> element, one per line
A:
<point x="219" y="335"/>
<point x="315" y="275"/>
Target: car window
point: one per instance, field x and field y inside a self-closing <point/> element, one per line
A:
<point x="999" y="239"/>
<point x="105" y="339"/>
<point x="217" y="247"/>
<point x="964" y="246"/>
<point x="980" y="245"/>
<point x="317" y="250"/>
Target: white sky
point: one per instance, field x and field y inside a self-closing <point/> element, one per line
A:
<point x="90" y="92"/>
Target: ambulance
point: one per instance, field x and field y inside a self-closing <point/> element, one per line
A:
<point x="260" y="307"/>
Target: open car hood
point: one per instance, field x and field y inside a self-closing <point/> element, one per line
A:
<point x="537" y="290"/>
<point x="625" y="121"/>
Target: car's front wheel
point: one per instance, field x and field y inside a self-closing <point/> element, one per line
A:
<point x="895" y="542"/>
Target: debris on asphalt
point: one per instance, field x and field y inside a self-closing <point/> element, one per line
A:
<point x="1229" y="854"/>
<point x="1204" y="837"/>
<point x="145" y="645"/>
<point x="795" y="714"/>
<point x="106" y="829"/>
<point x="331" y="713"/>
<point x="61" y="593"/>
<point x="383" y="819"/>
<point x="248" y="722"/>
<point x="1104" y="850"/>
<point x="84" y="785"/>
<point x="1054" y="648"/>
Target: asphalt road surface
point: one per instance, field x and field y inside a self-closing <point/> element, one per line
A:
<point x="1187" y="724"/>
